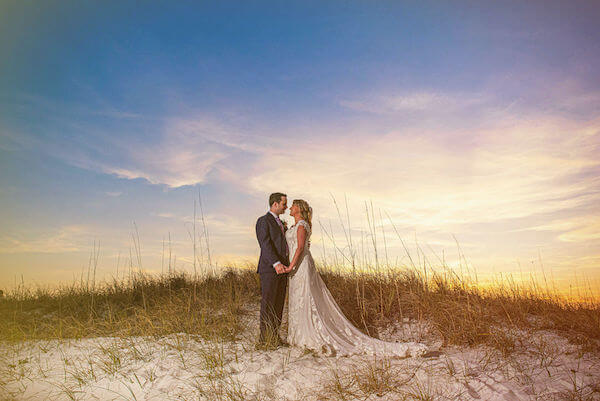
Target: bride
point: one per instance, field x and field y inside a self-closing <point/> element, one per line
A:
<point x="314" y="319"/>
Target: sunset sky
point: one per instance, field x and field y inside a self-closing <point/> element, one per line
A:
<point x="471" y="122"/>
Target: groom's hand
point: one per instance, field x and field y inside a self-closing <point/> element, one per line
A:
<point x="279" y="268"/>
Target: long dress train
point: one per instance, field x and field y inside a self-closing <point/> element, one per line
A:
<point x="315" y="321"/>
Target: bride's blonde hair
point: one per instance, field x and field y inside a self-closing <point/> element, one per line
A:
<point x="305" y="210"/>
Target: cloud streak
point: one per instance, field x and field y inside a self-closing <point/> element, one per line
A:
<point x="509" y="172"/>
<point x="419" y="101"/>
<point x="68" y="238"/>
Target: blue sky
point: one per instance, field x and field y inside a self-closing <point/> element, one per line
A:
<point x="474" y="119"/>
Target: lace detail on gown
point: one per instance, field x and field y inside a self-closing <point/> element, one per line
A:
<point x="315" y="321"/>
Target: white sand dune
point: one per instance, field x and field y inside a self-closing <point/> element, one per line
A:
<point x="186" y="367"/>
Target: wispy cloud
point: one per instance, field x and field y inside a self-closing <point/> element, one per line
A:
<point x="164" y="215"/>
<point x="574" y="228"/>
<point x="508" y="168"/>
<point x="587" y="231"/>
<point x="14" y="141"/>
<point x="68" y="238"/>
<point x="418" y="101"/>
<point x="182" y="152"/>
<point x="511" y="171"/>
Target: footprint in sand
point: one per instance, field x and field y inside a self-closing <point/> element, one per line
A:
<point x="266" y="384"/>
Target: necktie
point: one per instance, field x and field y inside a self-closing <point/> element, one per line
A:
<point x="280" y="224"/>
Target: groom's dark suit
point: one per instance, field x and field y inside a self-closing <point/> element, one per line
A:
<point x="273" y="248"/>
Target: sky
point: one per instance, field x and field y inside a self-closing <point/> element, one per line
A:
<point x="461" y="133"/>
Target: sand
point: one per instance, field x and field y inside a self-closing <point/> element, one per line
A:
<point x="545" y="366"/>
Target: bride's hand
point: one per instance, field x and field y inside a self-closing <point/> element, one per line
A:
<point x="289" y="269"/>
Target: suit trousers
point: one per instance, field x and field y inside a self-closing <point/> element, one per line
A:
<point x="272" y="288"/>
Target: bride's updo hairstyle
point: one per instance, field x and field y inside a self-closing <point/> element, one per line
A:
<point x="305" y="210"/>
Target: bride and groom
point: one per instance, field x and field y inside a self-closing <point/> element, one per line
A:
<point x="315" y="321"/>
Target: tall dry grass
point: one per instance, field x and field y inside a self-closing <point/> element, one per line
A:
<point x="460" y="314"/>
<point x="144" y="305"/>
<point x="214" y="306"/>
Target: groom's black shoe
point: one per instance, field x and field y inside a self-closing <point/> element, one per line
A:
<point x="268" y="341"/>
<point x="263" y="346"/>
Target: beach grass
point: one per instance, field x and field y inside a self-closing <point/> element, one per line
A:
<point x="211" y="306"/>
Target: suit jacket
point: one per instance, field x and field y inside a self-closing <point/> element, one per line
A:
<point x="272" y="244"/>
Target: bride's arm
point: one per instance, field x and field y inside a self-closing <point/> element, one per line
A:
<point x="301" y="243"/>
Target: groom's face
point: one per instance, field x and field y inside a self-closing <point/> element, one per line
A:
<point x="281" y="206"/>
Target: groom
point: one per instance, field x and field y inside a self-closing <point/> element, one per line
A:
<point x="274" y="258"/>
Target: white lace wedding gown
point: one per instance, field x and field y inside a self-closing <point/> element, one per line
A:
<point x="315" y="321"/>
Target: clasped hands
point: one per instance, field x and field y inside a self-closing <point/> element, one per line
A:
<point x="281" y="268"/>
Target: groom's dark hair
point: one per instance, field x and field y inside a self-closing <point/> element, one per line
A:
<point x="275" y="198"/>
